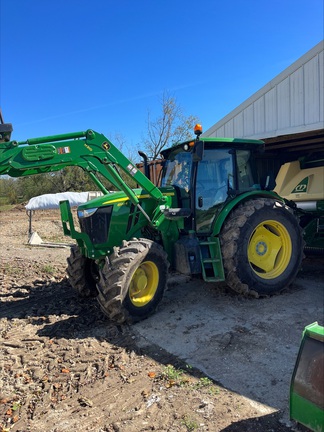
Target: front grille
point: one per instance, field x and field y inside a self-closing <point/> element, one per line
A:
<point x="97" y="225"/>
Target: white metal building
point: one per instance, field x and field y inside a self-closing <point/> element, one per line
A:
<point x="287" y="113"/>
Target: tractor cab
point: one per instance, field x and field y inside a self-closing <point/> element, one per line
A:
<point x="208" y="172"/>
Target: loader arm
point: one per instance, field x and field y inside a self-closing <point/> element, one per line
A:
<point x="89" y="150"/>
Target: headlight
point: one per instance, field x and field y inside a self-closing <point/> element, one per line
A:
<point x="86" y="212"/>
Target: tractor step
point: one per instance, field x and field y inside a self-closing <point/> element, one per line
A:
<point x="211" y="260"/>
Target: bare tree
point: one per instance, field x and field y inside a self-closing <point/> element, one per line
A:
<point x="170" y="128"/>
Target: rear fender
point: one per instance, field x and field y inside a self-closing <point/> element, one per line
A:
<point x="230" y="205"/>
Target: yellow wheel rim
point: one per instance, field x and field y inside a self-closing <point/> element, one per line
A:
<point x="144" y="284"/>
<point x="269" y="249"/>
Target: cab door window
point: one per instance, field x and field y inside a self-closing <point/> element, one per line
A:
<point x="245" y="176"/>
<point x="213" y="180"/>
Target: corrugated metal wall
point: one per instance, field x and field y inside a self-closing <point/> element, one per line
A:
<point x="293" y="102"/>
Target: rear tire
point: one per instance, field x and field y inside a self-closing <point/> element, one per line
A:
<point x="82" y="273"/>
<point x="133" y="280"/>
<point x="262" y="247"/>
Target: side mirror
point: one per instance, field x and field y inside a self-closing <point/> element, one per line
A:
<point x="198" y="151"/>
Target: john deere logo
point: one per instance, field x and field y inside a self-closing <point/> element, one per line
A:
<point x="301" y="187"/>
<point x="105" y="145"/>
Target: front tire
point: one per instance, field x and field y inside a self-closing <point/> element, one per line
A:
<point x="133" y="280"/>
<point x="262" y="247"/>
<point x="82" y="273"/>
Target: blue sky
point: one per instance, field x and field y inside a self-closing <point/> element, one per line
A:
<point x="70" y="65"/>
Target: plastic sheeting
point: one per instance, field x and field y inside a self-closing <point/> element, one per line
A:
<point x="52" y="201"/>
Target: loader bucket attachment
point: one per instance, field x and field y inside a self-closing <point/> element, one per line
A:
<point x="307" y="383"/>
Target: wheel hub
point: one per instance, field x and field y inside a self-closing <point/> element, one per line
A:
<point x="261" y="248"/>
<point x="144" y="284"/>
<point x="139" y="280"/>
<point x="269" y="249"/>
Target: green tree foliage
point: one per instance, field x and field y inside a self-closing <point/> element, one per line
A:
<point x="8" y="191"/>
<point x="70" y="179"/>
<point x="169" y="128"/>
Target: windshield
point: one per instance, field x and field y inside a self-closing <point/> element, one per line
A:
<point x="177" y="170"/>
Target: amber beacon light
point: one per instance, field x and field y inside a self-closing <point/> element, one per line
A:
<point x="198" y="130"/>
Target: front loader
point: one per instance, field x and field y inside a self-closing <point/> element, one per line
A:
<point x="210" y="218"/>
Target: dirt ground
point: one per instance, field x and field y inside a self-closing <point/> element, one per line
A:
<point x="65" y="367"/>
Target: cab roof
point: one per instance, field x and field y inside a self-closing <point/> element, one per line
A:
<point x="218" y="142"/>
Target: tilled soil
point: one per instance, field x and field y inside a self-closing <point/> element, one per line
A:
<point x="65" y="367"/>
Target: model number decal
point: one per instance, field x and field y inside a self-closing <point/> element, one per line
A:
<point x="87" y="147"/>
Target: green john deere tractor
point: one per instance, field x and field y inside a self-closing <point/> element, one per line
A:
<point x="210" y="218"/>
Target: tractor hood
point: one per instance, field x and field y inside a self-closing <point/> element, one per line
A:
<point x="120" y="198"/>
